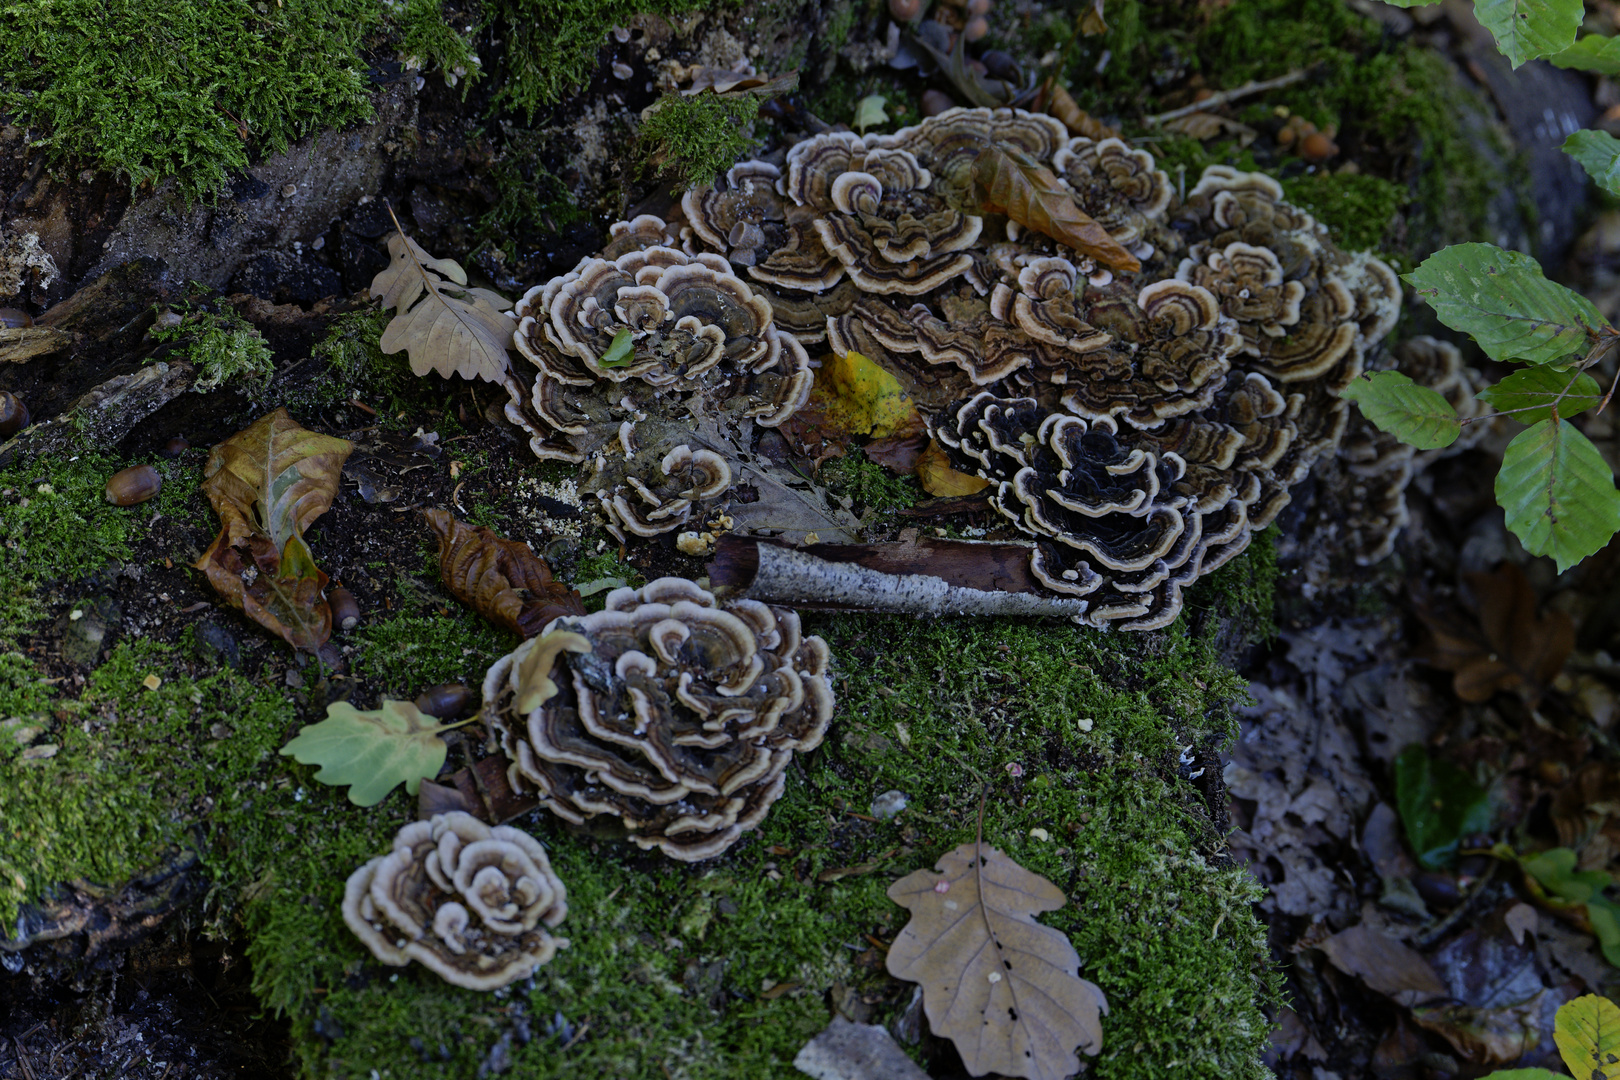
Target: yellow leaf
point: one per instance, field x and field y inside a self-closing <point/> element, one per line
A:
<point x="938" y="478"/>
<point x="1587" y="1031"/>
<point x="860" y="398"/>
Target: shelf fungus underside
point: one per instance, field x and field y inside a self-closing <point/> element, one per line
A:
<point x="1137" y="427"/>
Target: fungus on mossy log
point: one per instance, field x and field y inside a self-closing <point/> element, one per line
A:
<point x="669" y="710"/>
<point x="469" y="901"/>
<point x="1138" y="421"/>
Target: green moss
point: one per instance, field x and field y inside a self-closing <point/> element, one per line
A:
<point x="356" y="367"/>
<point x="428" y="41"/>
<point x="872" y="487"/>
<point x="667" y="962"/>
<point x="135" y="769"/>
<point x="401" y="656"/>
<point x="55" y="526"/>
<point x="1245" y="588"/>
<point x="186" y="89"/>
<point x="695" y="139"/>
<point x="1357" y="208"/>
<point x="224" y="347"/>
<point x="528" y="196"/>
<point x="551" y="45"/>
<point x="1397" y="101"/>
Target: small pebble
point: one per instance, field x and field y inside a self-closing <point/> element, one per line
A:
<point x="289" y="190"/>
<point x="887" y="806"/>
<point x="151" y="682"/>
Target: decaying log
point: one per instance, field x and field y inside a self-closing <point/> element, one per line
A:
<point x="924" y="576"/>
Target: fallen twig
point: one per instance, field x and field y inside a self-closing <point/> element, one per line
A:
<point x="1226" y="96"/>
<point x="916" y="577"/>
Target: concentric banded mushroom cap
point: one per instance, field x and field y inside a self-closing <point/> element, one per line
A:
<point x="469" y="901"/>
<point x="671" y="711"/>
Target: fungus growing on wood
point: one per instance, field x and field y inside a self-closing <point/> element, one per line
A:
<point x="1121" y="188"/>
<point x="471" y="902"/>
<point x="669" y="710"/>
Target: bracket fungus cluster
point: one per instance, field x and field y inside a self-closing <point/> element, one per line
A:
<point x="471" y="902"/>
<point x="1140" y="405"/>
<point x="671" y="711"/>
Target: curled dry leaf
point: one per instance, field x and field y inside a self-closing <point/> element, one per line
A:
<point x="1019" y="1008"/>
<point x="1061" y="104"/>
<point x="267" y="483"/>
<point x="442" y="324"/>
<point x="503" y="580"/>
<point x="1510" y="647"/>
<point x="1203" y="125"/>
<point x="1013" y="183"/>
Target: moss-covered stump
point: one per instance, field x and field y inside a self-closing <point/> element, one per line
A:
<point x="1088" y="743"/>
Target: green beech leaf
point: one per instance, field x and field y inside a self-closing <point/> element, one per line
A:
<point x="1535" y="389"/>
<point x="1604" y="915"/>
<point x="371" y="751"/>
<point x="1587" y="1031"/>
<point x="1558" y="493"/>
<point x="1438" y="804"/>
<point x="1594" y="52"/>
<point x="1555" y="870"/>
<point x="1504" y="301"/>
<point x="621" y="351"/>
<point x="1599" y="154"/>
<point x="1413" y="414"/>
<point x="1526" y="29"/>
<point x="1524" y="1074"/>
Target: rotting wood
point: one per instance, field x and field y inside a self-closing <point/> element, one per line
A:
<point x="924" y="576"/>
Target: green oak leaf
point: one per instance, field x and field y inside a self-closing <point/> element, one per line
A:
<point x="1506" y="303"/>
<point x="1534" y="390"/>
<point x="1414" y="414"/>
<point x="1594" y="52"/>
<point x="372" y="751"/>
<point x="1599" y="154"/>
<point x="1558" y="492"/>
<point x="1526" y="29"/>
<point x="621" y="351"/>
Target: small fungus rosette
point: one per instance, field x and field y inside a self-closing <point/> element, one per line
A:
<point x="670" y="710"/>
<point x="1122" y="189"/>
<point x="471" y="902"/>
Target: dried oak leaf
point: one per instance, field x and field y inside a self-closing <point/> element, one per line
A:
<point x="1509" y="646"/>
<point x="267" y="483"/>
<point x="1013" y="183"/>
<point x="444" y="327"/>
<point x="1005" y="989"/>
<point x="503" y="580"/>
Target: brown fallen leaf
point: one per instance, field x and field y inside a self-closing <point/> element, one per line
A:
<point x="1013" y="183"/>
<point x="1508" y="646"/>
<point x="1091" y="19"/>
<point x="730" y="81"/>
<point x="503" y="580"/>
<point x="1018" y="1009"/>
<point x="1387" y="966"/>
<point x="897" y="453"/>
<point x="267" y="483"/>
<point x="445" y="327"/>
<point x="1061" y="104"/>
<point x="938" y="478"/>
<point x="1203" y="125"/>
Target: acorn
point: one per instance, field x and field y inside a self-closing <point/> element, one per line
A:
<point x="174" y="447"/>
<point x="977" y="27"/>
<point x="445" y="701"/>
<point x="13" y="414"/>
<point x="345" y="609"/>
<point x="14" y="318"/>
<point x="133" y="485"/>
<point x="906" y="10"/>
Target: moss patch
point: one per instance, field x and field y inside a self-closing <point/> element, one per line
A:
<point x="695" y="139"/>
<point x="224" y="347"/>
<point x="185" y="89"/>
<point x="55" y="525"/>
